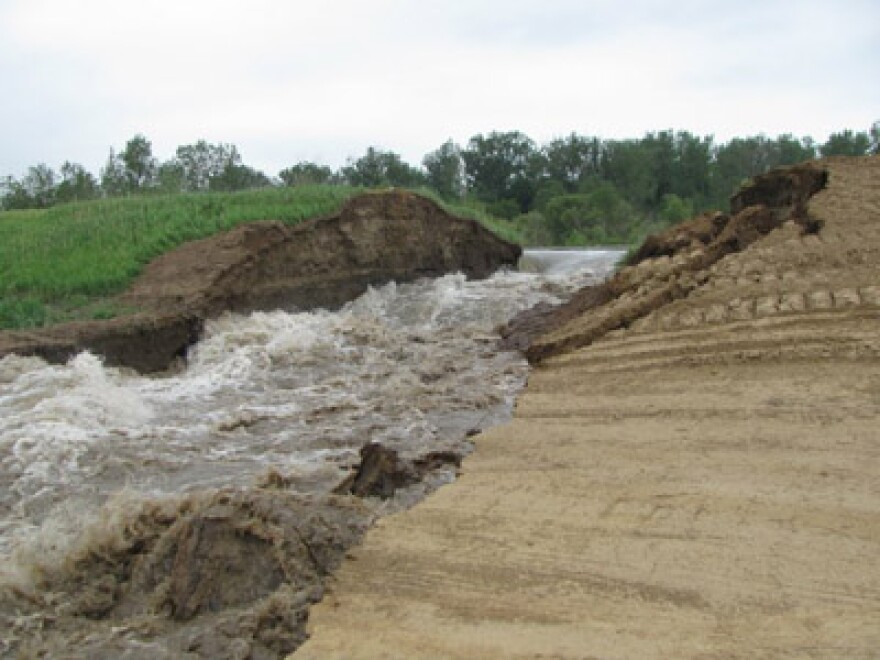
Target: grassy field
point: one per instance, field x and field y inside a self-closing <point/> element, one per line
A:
<point x="64" y="263"/>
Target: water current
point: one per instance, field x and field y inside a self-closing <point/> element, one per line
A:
<point x="412" y="366"/>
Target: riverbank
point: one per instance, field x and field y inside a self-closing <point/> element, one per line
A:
<point x="324" y="262"/>
<point x="691" y="470"/>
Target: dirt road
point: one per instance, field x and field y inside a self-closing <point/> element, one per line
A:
<point x="704" y="482"/>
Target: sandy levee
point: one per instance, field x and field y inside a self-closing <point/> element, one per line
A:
<point x="692" y="474"/>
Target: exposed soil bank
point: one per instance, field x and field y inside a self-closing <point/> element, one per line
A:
<point x="675" y="262"/>
<point x="691" y="471"/>
<point x="374" y="239"/>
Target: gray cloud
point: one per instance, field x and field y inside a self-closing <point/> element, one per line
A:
<point x="294" y="80"/>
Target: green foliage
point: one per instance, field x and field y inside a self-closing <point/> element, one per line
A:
<point x="377" y="168"/>
<point x="170" y="178"/>
<point x="77" y="184"/>
<point x="846" y="143"/>
<point x="504" y="208"/>
<point x="570" y="161"/>
<point x="499" y="165"/>
<point x="629" y="167"/>
<point x="305" y="174"/>
<point x="139" y="166"/>
<point x="201" y="162"/>
<point x="791" y="150"/>
<point x="600" y="214"/>
<point x="36" y="190"/>
<point x="675" y="209"/>
<point x="114" y="181"/>
<point x="96" y="248"/>
<point x="444" y="170"/>
<point x="534" y="230"/>
<point x="238" y="177"/>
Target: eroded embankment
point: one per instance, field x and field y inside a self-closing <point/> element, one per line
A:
<point x="376" y="238"/>
<point x="673" y="264"/>
<point x="690" y="471"/>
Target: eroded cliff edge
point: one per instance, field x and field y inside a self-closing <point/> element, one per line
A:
<point x="375" y="238"/>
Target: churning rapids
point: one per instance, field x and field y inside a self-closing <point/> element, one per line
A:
<point x="414" y="367"/>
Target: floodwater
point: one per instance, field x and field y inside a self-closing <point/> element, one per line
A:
<point x="414" y="367"/>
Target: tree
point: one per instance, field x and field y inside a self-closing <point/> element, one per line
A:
<point x="170" y="177"/>
<point x="76" y="184"/>
<point x="201" y="161"/>
<point x="140" y="166"/>
<point x="445" y="170"/>
<point x="846" y="143"/>
<point x="691" y="166"/>
<point x="238" y="177"/>
<point x="15" y="196"/>
<point x="630" y="166"/>
<point x="113" y="176"/>
<point x="674" y="209"/>
<point x="791" y="150"/>
<point x="378" y="168"/>
<point x="597" y="215"/>
<point x="305" y="173"/>
<point x="571" y="160"/>
<point x="36" y="190"/>
<point x="502" y="166"/>
<point x="132" y="170"/>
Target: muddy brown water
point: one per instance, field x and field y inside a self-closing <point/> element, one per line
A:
<point x="279" y="398"/>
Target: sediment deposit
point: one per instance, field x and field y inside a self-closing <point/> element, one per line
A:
<point x="692" y="470"/>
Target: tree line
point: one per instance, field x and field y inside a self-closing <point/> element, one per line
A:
<point x="572" y="190"/>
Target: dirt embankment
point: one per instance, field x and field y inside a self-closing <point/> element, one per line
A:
<point x="374" y="239"/>
<point x="691" y="471"/>
<point x="669" y="266"/>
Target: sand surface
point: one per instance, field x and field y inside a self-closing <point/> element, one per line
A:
<point x="702" y="483"/>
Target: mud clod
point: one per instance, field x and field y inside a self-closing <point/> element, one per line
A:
<point x="382" y="472"/>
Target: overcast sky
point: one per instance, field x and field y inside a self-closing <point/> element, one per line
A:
<point x="321" y="80"/>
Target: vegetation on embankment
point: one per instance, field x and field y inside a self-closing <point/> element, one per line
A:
<point x="572" y="190"/>
<point x="68" y="261"/>
<point x="62" y="263"/>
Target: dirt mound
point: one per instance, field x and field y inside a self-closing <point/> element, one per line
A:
<point x="325" y="262"/>
<point x="670" y="265"/>
<point x="375" y="238"/>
